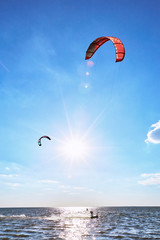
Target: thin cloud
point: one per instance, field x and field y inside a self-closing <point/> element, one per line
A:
<point x="153" y="135"/>
<point x="63" y="186"/>
<point x="48" y="181"/>
<point x="8" y="175"/>
<point x="13" y="185"/>
<point x="79" y="188"/>
<point x="150" y="179"/>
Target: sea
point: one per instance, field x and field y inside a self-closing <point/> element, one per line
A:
<point x="74" y="223"/>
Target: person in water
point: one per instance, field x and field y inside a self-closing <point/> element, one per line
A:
<point x="91" y="212"/>
<point x="93" y="216"/>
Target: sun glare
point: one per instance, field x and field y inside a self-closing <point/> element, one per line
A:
<point x="75" y="149"/>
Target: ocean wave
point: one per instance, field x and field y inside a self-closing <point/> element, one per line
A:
<point x="13" y="216"/>
<point x="47" y="223"/>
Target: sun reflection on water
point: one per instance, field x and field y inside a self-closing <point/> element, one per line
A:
<point x="77" y="224"/>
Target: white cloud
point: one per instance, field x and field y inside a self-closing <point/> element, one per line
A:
<point x="150" y="179"/>
<point x="153" y="135"/>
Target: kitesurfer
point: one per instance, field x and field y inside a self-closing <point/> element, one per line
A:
<point x="93" y="216"/>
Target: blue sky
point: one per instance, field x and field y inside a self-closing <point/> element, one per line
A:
<point x="111" y="115"/>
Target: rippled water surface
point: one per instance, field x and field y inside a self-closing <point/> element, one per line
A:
<point x="76" y="224"/>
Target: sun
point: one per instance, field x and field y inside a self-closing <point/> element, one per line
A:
<point x="75" y="148"/>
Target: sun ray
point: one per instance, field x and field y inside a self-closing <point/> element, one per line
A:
<point x="94" y="122"/>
